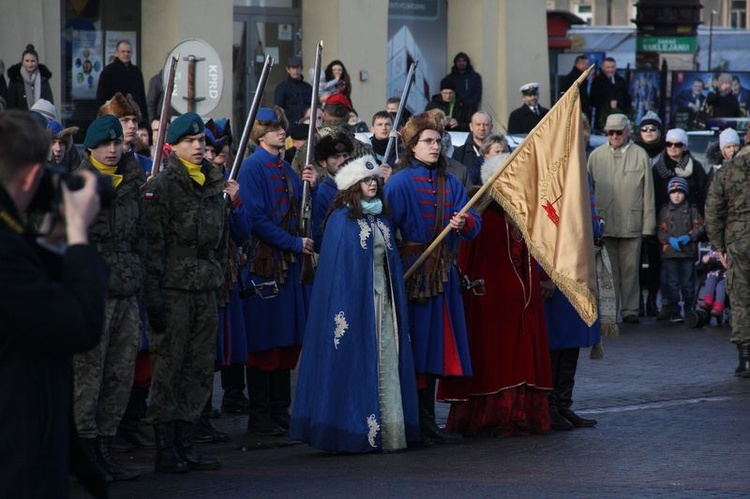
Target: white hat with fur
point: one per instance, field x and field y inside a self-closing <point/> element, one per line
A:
<point x="356" y="169"/>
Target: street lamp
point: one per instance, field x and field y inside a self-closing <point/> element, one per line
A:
<point x="710" y="36"/>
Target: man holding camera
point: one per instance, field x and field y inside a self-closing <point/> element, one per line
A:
<point x="51" y="306"/>
<point x="104" y="374"/>
<point x="184" y="213"/>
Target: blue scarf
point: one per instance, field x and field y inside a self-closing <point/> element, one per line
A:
<point x="372" y="207"/>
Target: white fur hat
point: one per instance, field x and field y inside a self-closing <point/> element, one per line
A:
<point x="490" y="166"/>
<point x="356" y="169"/>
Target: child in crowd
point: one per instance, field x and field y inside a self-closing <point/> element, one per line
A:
<point x="680" y="226"/>
<point x="715" y="287"/>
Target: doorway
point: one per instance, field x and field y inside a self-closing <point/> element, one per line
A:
<point x="259" y="32"/>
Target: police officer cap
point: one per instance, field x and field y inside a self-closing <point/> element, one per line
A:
<point x="184" y="125"/>
<point x="530" y="88"/>
<point x="102" y="129"/>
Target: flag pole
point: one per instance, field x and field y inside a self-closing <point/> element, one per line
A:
<point x="491" y="180"/>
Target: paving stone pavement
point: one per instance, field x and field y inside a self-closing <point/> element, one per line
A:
<point x="673" y="422"/>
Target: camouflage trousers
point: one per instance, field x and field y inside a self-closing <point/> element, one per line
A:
<point x="104" y="375"/>
<point x="182" y="356"/>
<point x="738" y="289"/>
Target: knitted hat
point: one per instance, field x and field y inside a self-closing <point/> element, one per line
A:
<point x="677" y="184"/>
<point x="45" y="108"/>
<point x="268" y="120"/>
<point x="356" y="169"/>
<point x="727" y="137"/>
<point x="331" y="141"/>
<point x="102" y="129"/>
<point x="298" y="131"/>
<point x="184" y="125"/>
<point x="677" y="135"/>
<point x="447" y="84"/>
<point x="120" y="105"/>
<point x="651" y="118"/>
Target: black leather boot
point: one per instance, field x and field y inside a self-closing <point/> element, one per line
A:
<point x="431" y="432"/>
<point x="234" y="400"/>
<point x="557" y="421"/>
<point x="564" y="383"/>
<point x="743" y="369"/>
<point x="112" y="467"/>
<point x="167" y="459"/>
<point x="205" y="432"/>
<point x="280" y="397"/>
<point x="91" y="449"/>
<point x="259" y="420"/>
<point x="184" y="443"/>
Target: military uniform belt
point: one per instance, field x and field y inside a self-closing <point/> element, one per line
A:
<point x="202" y="253"/>
<point x="119" y="247"/>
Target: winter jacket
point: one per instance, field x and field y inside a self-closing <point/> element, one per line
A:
<point x="17" y="89"/>
<point x="677" y="220"/>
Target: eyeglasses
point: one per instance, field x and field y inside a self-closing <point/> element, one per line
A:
<point x="369" y="180"/>
<point x="432" y="142"/>
<point x="678" y="145"/>
<point x="614" y="132"/>
<point x="648" y="129"/>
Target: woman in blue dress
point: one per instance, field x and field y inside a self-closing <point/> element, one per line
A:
<point x="356" y="390"/>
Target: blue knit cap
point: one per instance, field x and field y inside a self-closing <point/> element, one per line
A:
<point x="677" y="184"/>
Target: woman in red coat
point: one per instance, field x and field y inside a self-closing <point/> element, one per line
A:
<point x="508" y="392"/>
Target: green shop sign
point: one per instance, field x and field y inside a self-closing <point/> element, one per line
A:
<point x="666" y="44"/>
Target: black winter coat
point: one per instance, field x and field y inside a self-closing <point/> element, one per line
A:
<point x="17" y="90"/>
<point x="51" y="307"/>
<point x="117" y="77"/>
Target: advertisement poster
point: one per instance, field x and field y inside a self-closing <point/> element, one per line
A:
<point x="110" y="45"/>
<point x="86" y="63"/>
<point x="689" y="92"/>
<point x="644" y="93"/>
<point x="416" y="32"/>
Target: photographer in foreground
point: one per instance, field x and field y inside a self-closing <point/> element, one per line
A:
<point x="51" y="306"/>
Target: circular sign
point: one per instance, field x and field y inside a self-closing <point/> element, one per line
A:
<point x="198" y="79"/>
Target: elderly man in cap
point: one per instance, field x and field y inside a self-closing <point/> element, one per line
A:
<point x="104" y="374"/>
<point x="294" y="94"/>
<point x="457" y="112"/>
<point x="525" y="118"/>
<point x="624" y="193"/>
<point x="185" y="215"/>
<point x="272" y="193"/>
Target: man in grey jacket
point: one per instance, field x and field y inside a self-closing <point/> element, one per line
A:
<point x="624" y="194"/>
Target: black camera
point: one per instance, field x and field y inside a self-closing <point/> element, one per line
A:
<point x="48" y="197"/>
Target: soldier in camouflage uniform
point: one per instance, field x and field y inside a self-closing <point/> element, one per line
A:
<point x="104" y="374"/>
<point x="728" y="228"/>
<point x="185" y="223"/>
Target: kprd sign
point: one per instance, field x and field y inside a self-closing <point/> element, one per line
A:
<point x="199" y="77"/>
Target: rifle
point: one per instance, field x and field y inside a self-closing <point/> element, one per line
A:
<point x="305" y="218"/>
<point x="401" y="105"/>
<point x="254" y="106"/>
<point x="164" y="118"/>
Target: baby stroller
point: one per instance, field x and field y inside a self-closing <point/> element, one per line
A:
<point x="711" y="300"/>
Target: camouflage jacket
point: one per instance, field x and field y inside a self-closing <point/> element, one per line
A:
<point x="185" y="224"/>
<point x="728" y="204"/>
<point x="117" y="232"/>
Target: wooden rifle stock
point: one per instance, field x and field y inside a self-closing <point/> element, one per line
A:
<point x="164" y="117"/>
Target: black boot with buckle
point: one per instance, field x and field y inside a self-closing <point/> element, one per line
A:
<point x="112" y="467"/>
<point x="184" y="444"/>
<point x="743" y="369"/>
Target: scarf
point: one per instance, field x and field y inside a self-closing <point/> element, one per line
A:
<point x="108" y="171"/>
<point x="32" y="86"/>
<point x="684" y="167"/>
<point x="194" y="171"/>
<point x="379" y="145"/>
<point x="372" y="206"/>
<point x="668" y="168"/>
<point x="653" y="149"/>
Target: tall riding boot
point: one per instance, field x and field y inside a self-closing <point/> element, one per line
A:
<point x="205" y="432"/>
<point x="557" y="421"/>
<point x="233" y="384"/>
<point x="167" y="459"/>
<point x="743" y="369"/>
<point x="184" y="443"/>
<point x="564" y="387"/>
<point x="431" y="432"/>
<point x="280" y="394"/>
<point x="259" y="420"/>
<point x="112" y="467"/>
